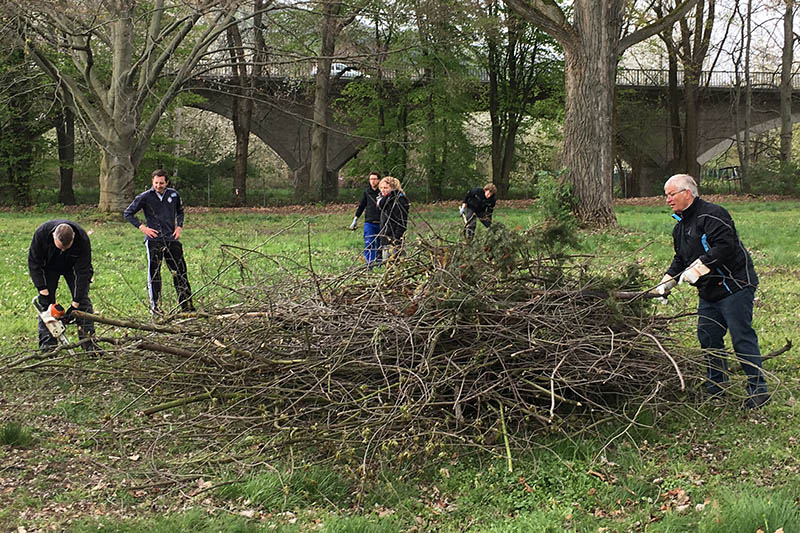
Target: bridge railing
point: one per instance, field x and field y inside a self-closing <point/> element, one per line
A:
<point x="625" y="77"/>
<point x="716" y="79"/>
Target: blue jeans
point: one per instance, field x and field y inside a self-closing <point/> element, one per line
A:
<point x="733" y="313"/>
<point x="371" y="243"/>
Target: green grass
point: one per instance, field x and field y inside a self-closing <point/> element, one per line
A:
<point x="15" y="434"/>
<point x="737" y="470"/>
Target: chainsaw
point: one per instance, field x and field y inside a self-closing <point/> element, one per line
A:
<point x="52" y="317"/>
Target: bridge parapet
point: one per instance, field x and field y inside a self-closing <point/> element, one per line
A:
<point x="715" y="79"/>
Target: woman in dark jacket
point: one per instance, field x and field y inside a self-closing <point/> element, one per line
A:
<point x="393" y="205"/>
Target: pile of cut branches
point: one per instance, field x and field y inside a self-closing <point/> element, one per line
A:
<point x="480" y="344"/>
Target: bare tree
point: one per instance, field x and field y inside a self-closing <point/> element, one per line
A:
<point x="244" y="92"/>
<point x="112" y="57"/>
<point x="786" y="81"/>
<point x="324" y="183"/>
<point x="593" y="42"/>
<point x="521" y="67"/>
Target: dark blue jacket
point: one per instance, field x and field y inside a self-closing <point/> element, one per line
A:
<point x="476" y="200"/>
<point x="161" y="214"/>
<point x="369" y="203"/>
<point x="706" y="231"/>
<point x="76" y="260"/>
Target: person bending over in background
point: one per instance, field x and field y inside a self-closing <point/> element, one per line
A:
<point x="372" y="220"/>
<point x="393" y="206"/>
<point x="478" y="205"/>
<point x="163" y="213"/>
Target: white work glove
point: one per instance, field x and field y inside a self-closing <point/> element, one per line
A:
<point x="662" y="289"/>
<point x="353" y="224"/>
<point x="461" y="210"/>
<point x="695" y="271"/>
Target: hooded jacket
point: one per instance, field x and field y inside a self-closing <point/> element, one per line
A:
<point x="43" y="255"/>
<point x="706" y="231"/>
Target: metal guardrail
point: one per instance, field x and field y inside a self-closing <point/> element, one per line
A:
<point x="625" y="77"/>
<point x="716" y="79"/>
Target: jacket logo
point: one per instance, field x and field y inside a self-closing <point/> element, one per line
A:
<point x="169" y="199"/>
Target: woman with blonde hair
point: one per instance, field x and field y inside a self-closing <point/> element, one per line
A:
<point x="393" y="205"/>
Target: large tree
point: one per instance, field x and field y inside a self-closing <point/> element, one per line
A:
<point x="591" y="35"/>
<point x="247" y="63"/>
<point x="111" y="57"/>
<point x="335" y="16"/>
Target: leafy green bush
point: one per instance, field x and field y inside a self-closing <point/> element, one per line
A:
<point x="771" y="178"/>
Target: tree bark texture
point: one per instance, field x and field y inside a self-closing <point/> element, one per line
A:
<point x="65" y="133"/>
<point x="787" y="55"/>
<point x="329" y="30"/>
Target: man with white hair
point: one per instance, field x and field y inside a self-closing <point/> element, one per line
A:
<point x="710" y="256"/>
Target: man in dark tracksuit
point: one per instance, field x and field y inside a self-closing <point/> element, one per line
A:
<point x="710" y="256"/>
<point x="478" y="205"/>
<point x="372" y="220"/>
<point x="163" y="214"/>
<point x="62" y="248"/>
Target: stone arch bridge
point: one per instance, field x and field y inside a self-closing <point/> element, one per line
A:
<point x="283" y="114"/>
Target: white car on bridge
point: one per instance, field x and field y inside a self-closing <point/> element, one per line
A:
<point x="340" y="70"/>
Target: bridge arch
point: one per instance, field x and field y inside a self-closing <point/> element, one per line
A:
<point x="282" y="119"/>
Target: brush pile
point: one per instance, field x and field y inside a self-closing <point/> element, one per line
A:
<point x="475" y="344"/>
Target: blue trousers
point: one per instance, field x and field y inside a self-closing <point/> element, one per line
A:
<point x="372" y="243"/>
<point x="733" y="313"/>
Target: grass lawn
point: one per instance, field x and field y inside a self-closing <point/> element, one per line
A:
<point x="703" y="468"/>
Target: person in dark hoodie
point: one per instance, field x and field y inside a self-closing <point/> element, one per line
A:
<point x="62" y="248"/>
<point x="163" y="213"/>
<point x="478" y="205"/>
<point x="372" y="220"/>
<point x="393" y="206"/>
<point x="710" y="256"/>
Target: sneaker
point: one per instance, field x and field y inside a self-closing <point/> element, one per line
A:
<point x="757" y="401"/>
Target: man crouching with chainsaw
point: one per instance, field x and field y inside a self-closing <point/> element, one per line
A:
<point x="62" y="248"/>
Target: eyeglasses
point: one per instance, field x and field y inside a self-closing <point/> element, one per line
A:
<point x="672" y="194"/>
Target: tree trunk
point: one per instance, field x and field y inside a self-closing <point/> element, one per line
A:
<point x="588" y="124"/>
<point x="690" y="87"/>
<point x="65" y="132"/>
<point x="748" y="101"/>
<point x="322" y="82"/>
<point x="116" y="181"/>
<point x="786" y="83"/>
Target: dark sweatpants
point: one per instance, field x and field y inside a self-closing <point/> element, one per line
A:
<point x="170" y="251"/>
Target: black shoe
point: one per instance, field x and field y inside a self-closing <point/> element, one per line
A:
<point x="93" y="349"/>
<point x="757" y="401"/>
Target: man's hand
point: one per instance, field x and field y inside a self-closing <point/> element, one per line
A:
<point x="353" y="224"/>
<point x="177" y="233"/>
<point x="44" y="299"/>
<point x="150" y="232"/>
<point x="695" y="271"/>
<point x="68" y="317"/>
<point x="666" y="284"/>
<point x="461" y="210"/>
